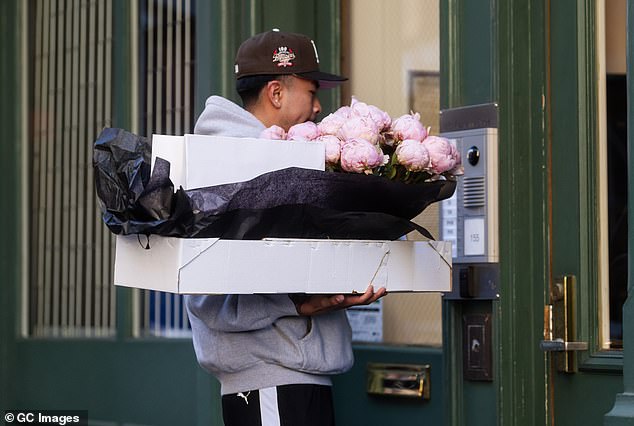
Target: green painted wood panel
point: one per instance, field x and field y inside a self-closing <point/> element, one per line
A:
<point x="523" y="212"/>
<point x="468" y="51"/>
<point x="622" y="412"/>
<point x="353" y="405"/>
<point x="128" y="381"/>
<point x="575" y="207"/>
<point x="10" y="155"/>
<point x="466" y="402"/>
<point x="584" y="398"/>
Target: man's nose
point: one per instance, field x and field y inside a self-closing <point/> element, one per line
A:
<point x="316" y="107"/>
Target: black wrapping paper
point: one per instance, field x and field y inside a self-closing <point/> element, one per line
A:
<point x="288" y="203"/>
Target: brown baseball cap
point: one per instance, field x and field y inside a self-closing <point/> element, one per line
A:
<point x="277" y="52"/>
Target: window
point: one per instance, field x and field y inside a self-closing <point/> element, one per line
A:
<point x="613" y="107"/>
<point x="166" y="106"/>
<point x="69" y="291"/>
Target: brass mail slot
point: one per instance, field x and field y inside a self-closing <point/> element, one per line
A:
<point x="405" y="380"/>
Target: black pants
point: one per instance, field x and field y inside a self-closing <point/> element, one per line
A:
<point x="289" y="405"/>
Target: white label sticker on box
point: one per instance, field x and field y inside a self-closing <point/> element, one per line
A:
<point x="474" y="237"/>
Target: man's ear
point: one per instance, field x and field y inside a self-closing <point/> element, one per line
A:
<point x="274" y="93"/>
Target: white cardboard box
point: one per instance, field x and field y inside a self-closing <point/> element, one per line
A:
<point x="212" y="265"/>
<point x="198" y="161"/>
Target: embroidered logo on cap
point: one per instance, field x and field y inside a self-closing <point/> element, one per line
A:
<point x="283" y="56"/>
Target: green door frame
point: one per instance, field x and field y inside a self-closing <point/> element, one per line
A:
<point x="10" y="213"/>
<point x="468" y="72"/>
<point x="622" y="413"/>
<point x="492" y="51"/>
<point x="524" y="221"/>
<point x="574" y="155"/>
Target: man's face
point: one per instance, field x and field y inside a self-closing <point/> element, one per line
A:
<point x="299" y="102"/>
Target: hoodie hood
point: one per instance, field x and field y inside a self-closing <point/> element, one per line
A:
<point x="222" y="117"/>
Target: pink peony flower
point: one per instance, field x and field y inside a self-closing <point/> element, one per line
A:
<point x="360" y="109"/>
<point x="273" y="132"/>
<point x="458" y="169"/>
<point x="413" y="155"/>
<point x="408" y="126"/>
<point x="333" y="148"/>
<point x="306" y="131"/>
<point x="361" y="156"/>
<point x="443" y="155"/>
<point x="331" y="124"/>
<point x="344" y="112"/>
<point x="359" y="128"/>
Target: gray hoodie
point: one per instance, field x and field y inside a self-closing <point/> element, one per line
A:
<point x="257" y="341"/>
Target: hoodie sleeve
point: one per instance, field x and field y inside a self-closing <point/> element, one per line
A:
<point x="244" y="312"/>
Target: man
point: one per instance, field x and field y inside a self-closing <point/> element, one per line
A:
<point x="273" y="354"/>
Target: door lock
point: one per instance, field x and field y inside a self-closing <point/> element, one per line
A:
<point x="560" y="325"/>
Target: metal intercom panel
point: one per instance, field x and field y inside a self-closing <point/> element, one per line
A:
<point x="474" y="222"/>
<point x="470" y="218"/>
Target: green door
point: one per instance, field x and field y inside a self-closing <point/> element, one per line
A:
<point x="561" y="208"/>
<point x="588" y="172"/>
<point x="561" y="201"/>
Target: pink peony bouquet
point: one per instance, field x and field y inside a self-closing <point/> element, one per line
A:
<point x="362" y="138"/>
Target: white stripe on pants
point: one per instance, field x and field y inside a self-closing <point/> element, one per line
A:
<point x="268" y="407"/>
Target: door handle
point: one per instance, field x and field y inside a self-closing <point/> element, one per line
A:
<point x="560" y="325"/>
<point x="559" y="345"/>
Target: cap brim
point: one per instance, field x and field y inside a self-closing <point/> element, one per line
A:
<point x="326" y="80"/>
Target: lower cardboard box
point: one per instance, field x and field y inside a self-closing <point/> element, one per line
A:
<point x="218" y="266"/>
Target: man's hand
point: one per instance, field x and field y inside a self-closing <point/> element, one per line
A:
<point x="318" y="303"/>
